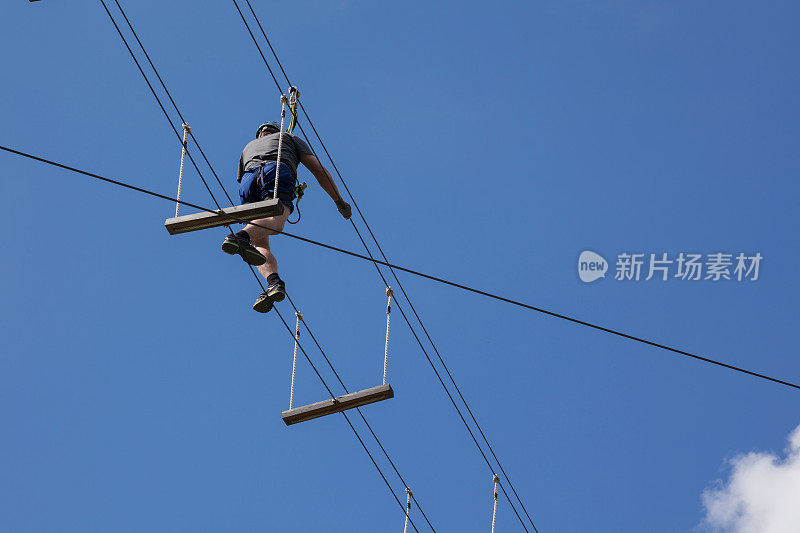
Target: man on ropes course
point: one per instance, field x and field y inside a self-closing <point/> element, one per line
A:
<point x="256" y="177"/>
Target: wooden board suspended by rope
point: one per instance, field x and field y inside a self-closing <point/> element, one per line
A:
<point x="253" y="211"/>
<point x="338" y="404"/>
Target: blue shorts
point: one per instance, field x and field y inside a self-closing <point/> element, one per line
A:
<point x="251" y="189"/>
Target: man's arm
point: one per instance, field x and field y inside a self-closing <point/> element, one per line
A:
<point x="326" y="182"/>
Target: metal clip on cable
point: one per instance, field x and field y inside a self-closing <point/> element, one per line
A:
<point x="294" y="100"/>
<point x="294" y="95"/>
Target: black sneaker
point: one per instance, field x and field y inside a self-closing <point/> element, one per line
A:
<point x="276" y="290"/>
<point x="263" y="303"/>
<point x="233" y="244"/>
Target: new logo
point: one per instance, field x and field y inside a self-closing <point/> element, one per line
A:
<point x="591" y="266"/>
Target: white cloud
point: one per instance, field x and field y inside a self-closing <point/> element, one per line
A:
<point x="762" y="494"/>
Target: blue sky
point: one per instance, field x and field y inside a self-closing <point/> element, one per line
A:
<point x="486" y="143"/>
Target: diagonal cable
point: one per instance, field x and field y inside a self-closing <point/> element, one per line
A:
<point x="212" y="170"/>
<point x="155" y="95"/>
<point x="385" y="453"/>
<point x="234" y="218"/>
<point x="411" y="305"/>
<point x="163" y="85"/>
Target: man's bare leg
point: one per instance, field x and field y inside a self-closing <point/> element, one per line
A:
<point x="259" y="237"/>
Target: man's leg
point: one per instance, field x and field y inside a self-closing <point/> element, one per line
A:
<point x="259" y="237"/>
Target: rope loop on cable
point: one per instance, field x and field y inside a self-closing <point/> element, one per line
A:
<point x="186" y="131"/>
<point x="389" y="294"/>
<point x="294" y="358"/>
<point x="284" y="103"/>
<point x="409" y="495"/>
<point x="496" y="481"/>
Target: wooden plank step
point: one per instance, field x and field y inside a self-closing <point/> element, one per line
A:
<point x="253" y="211"/>
<point x="335" y="405"/>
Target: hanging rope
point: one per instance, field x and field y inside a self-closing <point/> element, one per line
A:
<point x="496" y="480"/>
<point x="408" y="508"/>
<point x="186" y="130"/>
<point x="389" y="294"/>
<point x="294" y="358"/>
<point x="284" y="102"/>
